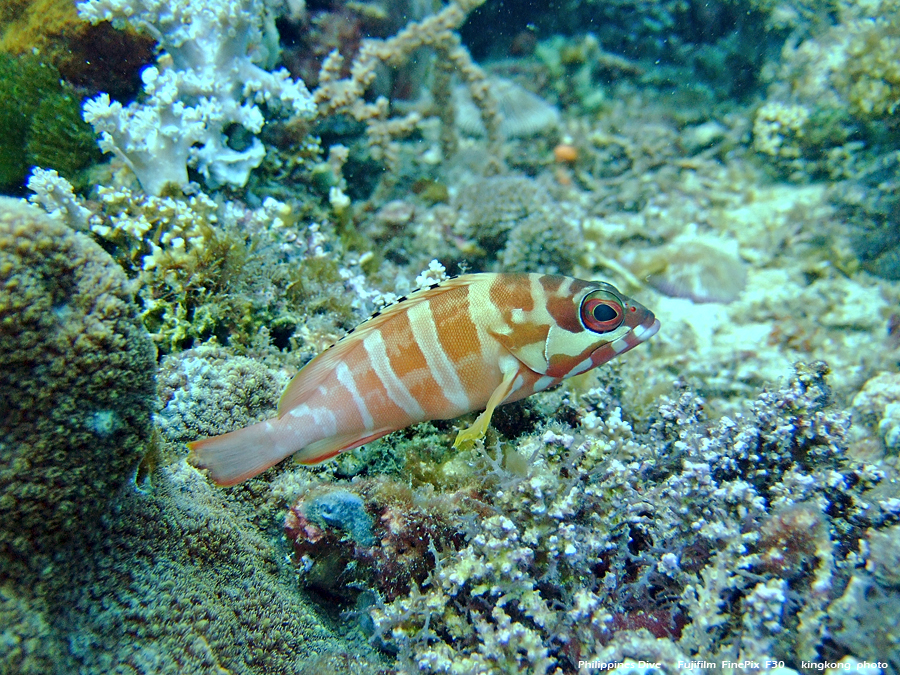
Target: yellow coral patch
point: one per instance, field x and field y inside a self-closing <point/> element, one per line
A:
<point x="29" y="24"/>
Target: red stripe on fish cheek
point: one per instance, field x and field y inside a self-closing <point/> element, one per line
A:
<point x="561" y="365"/>
<point x="565" y="312"/>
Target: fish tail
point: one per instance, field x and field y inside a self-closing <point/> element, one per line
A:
<point x="236" y="456"/>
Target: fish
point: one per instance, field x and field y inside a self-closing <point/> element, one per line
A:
<point x="471" y="342"/>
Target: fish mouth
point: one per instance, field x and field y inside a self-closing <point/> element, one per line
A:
<point x="637" y="335"/>
<point x="644" y="332"/>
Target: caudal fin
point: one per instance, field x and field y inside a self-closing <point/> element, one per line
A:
<point x="236" y="456"/>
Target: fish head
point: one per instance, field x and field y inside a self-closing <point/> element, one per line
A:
<point x="609" y="323"/>
<point x="619" y="322"/>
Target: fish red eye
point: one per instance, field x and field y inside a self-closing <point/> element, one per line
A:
<point x="602" y="312"/>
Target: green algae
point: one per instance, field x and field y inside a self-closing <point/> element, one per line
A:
<point x="40" y="123"/>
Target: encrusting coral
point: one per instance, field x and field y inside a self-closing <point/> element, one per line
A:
<point x="206" y="390"/>
<point x="207" y="591"/>
<point x="178" y="578"/>
<point x="77" y="385"/>
<point x="31" y="644"/>
<point x="26" y="24"/>
<point x="78" y="518"/>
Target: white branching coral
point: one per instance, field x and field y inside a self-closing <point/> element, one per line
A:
<point x="208" y="79"/>
<point x="56" y="195"/>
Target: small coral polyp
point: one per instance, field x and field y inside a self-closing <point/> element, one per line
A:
<point x="779" y="128"/>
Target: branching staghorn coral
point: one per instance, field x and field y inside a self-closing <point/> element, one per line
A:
<point x="335" y="94"/>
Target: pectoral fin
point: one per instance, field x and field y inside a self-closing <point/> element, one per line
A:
<point x="479" y="427"/>
<point x="528" y="344"/>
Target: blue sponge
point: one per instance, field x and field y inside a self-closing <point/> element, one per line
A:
<point x="345" y="511"/>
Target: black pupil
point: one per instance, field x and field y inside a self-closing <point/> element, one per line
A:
<point x="604" y="313"/>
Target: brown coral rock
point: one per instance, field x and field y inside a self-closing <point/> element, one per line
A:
<point x="77" y="388"/>
<point x="184" y="580"/>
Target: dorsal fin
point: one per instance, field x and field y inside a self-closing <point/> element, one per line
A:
<point x="314" y="373"/>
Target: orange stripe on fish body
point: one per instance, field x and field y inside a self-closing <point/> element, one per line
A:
<point x="469" y="343"/>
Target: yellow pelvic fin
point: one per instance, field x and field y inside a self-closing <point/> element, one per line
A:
<point x="467" y="437"/>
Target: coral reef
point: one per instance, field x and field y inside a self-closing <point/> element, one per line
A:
<point x="706" y="41"/>
<point x="381" y="536"/>
<point x="831" y="112"/>
<point x="208" y="390"/>
<point x="222" y="269"/>
<point x="78" y="392"/>
<point x="884" y="556"/>
<point x="673" y="506"/>
<point x="868" y="201"/>
<point x="578" y="68"/>
<point x="206" y="84"/>
<point x="778" y="129"/>
<point x="78" y="385"/>
<point x="515" y="221"/>
<point x="206" y="591"/>
<point x="865" y="618"/>
<point x="578" y="537"/>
